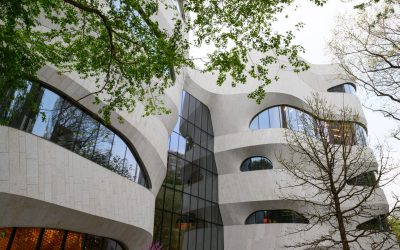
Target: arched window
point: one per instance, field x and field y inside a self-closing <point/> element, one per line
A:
<point x="350" y="133"/>
<point x="276" y="216"/>
<point x="365" y="179"/>
<point x="344" y="88"/>
<point x="40" y="111"/>
<point x="256" y="163"/>
<point x="379" y="223"/>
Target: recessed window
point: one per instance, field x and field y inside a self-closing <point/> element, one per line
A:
<point x="350" y="133"/>
<point x="256" y="163"/>
<point x="344" y="88"/>
<point x="379" y="223"/>
<point x="40" y="111"/>
<point x="365" y="179"/>
<point x="276" y="216"/>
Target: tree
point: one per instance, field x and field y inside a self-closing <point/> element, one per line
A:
<point x="130" y="57"/>
<point x="327" y="158"/>
<point x="367" y="47"/>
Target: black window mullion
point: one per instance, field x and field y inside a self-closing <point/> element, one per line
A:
<point x="64" y="240"/>
<point x="39" y="240"/>
<point x="11" y="239"/>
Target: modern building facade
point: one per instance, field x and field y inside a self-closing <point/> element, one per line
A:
<point x="202" y="177"/>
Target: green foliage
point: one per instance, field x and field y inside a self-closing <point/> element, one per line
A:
<point x="130" y="58"/>
<point x="395" y="225"/>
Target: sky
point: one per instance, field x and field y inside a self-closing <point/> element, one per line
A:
<point x="319" y="23"/>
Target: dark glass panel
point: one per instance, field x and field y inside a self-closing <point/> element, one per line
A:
<point x="93" y="242"/>
<point x="109" y="244"/>
<point x="197" y="136"/>
<point x="192" y="109"/>
<point x="365" y="179"/>
<point x="200" y="237"/>
<point x="256" y="163"/>
<point x="203" y="158"/>
<point x="251" y="219"/>
<point x="196" y="154"/>
<point x="210" y="143"/>
<point x="74" y="241"/>
<point x="207" y="236"/>
<point x="208" y="211"/>
<point x="215" y="189"/>
<point x="379" y="223"/>
<point x="160" y="198"/>
<point x="201" y="209"/>
<point x="204" y="118"/>
<point x="25" y="238"/>
<point x="214" y="233"/>
<point x="52" y="239"/>
<point x="185" y="104"/>
<point x="157" y="224"/>
<point x="86" y="137"/>
<point x="202" y="183"/>
<point x="179" y="180"/>
<point x="178" y="202"/>
<point x="5" y="234"/>
<point x="67" y="126"/>
<point x="220" y="238"/>
<point x="176" y="240"/>
<point x="260" y="216"/>
<point x="204" y="138"/>
<point x="166" y="228"/>
<point x="209" y="126"/>
<point x="168" y="199"/>
<point x="198" y="114"/>
<point x="102" y="150"/>
<point x="209" y="186"/>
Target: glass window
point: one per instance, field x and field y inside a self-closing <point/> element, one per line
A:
<point x="74" y="241"/>
<point x="254" y="124"/>
<point x="263" y="120"/>
<point x="42" y="112"/>
<point x="52" y="239"/>
<point x="102" y="149"/>
<point x="25" y="238"/>
<point x="5" y="234"/>
<point x="275" y="119"/>
<point x="365" y="179"/>
<point x="256" y="163"/>
<point x="380" y="223"/>
<point x="275" y="216"/>
<point x="344" y="88"/>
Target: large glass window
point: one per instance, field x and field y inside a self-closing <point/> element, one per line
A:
<point x="256" y="163"/>
<point x="344" y="88"/>
<point x="379" y="223"/>
<point x="275" y="216"/>
<point x="365" y="179"/>
<point x="187" y="213"/>
<point x="288" y="117"/>
<point x="42" y="112"/>
<point x="20" y="238"/>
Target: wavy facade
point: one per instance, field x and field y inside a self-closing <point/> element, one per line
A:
<point x="203" y="177"/>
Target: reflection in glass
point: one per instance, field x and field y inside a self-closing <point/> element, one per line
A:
<point x="368" y="179"/>
<point x="379" y="223"/>
<point x="349" y="133"/>
<point x="344" y="88"/>
<point x="187" y="209"/>
<point x="42" y="112"/>
<point x="256" y="163"/>
<point x="275" y="216"/>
